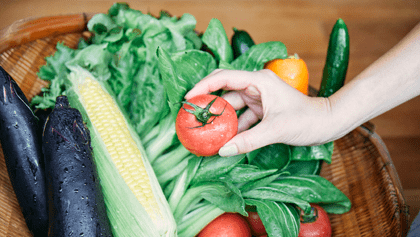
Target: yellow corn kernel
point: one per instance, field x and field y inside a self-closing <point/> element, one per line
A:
<point x="105" y="115"/>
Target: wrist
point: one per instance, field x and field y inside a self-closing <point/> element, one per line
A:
<point x="324" y="121"/>
<point x="342" y="117"/>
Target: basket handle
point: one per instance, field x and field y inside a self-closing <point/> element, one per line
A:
<point x="30" y="29"/>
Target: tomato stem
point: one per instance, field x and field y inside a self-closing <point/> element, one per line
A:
<point x="202" y="115"/>
<point x="309" y="218"/>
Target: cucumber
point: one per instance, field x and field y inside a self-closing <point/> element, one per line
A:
<point x="19" y="135"/>
<point x="335" y="69"/>
<point x="241" y="41"/>
<point x="337" y="61"/>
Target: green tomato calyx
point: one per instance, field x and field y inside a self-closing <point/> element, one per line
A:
<point x="309" y="218"/>
<point x="203" y="115"/>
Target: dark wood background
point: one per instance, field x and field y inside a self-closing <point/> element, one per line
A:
<point x="303" y="26"/>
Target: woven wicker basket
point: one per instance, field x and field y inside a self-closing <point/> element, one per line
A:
<point x="361" y="166"/>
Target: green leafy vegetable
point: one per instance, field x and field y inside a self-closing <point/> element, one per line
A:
<point x="54" y="71"/>
<point x="259" y="183"/>
<point x="279" y="219"/>
<point x="242" y="173"/>
<point x="308" y="153"/>
<point x="216" y="40"/>
<point x="215" y="166"/>
<point x="268" y="193"/>
<point x="94" y="58"/>
<point x="255" y="58"/>
<point x="300" y="167"/>
<point x="314" y="189"/>
<point x="274" y="156"/>
<point x="181" y="71"/>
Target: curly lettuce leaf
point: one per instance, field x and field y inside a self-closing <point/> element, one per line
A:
<point x="95" y="58"/>
<point x="54" y="71"/>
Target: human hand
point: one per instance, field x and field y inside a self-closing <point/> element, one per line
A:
<point x="287" y="116"/>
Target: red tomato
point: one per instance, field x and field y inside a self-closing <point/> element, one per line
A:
<point x="257" y="227"/>
<point x="227" y="225"/>
<point x="321" y="227"/>
<point x="205" y="123"/>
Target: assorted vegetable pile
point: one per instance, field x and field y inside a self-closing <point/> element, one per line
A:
<point x="147" y="64"/>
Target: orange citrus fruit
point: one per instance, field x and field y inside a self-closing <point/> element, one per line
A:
<point x="292" y="70"/>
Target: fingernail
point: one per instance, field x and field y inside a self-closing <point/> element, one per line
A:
<point x="252" y="90"/>
<point x="228" y="150"/>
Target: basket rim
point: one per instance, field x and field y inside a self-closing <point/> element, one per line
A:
<point x="32" y="28"/>
<point x="368" y="131"/>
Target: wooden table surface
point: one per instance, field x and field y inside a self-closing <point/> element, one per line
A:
<point x="303" y="26"/>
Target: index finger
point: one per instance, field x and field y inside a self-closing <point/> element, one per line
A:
<point x="221" y="79"/>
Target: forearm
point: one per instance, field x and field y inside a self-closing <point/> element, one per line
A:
<point x="390" y="81"/>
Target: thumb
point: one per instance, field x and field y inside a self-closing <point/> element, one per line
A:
<point x="247" y="141"/>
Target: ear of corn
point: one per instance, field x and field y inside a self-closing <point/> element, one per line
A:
<point x="134" y="199"/>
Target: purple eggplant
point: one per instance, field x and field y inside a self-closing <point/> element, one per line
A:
<point x="77" y="204"/>
<point x="20" y="140"/>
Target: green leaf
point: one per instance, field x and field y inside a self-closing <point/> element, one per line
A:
<point x="115" y="8"/>
<point x="314" y="189"/>
<point x="274" y="156"/>
<point x="180" y="29"/>
<point x="183" y="182"/>
<point x="252" y="154"/>
<point x="193" y="65"/>
<point x="54" y="71"/>
<point x="225" y="65"/>
<point x="222" y="194"/>
<point x="175" y="86"/>
<point x="131" y="70"/>
<point x="242" y="173"/>
<point x="194" y="39"/>
<point x="226" y="197"/>
<point x="96" y="59"/>
<point x="217" y="41"/>
<point x="213" y="167"/>
<point x="255" y="58"/>
<point x="279" y="219"/>
<point x="115" y="34"/>
<point x="308" y="153"/>
<point x="100" y="23"/>
<point x="102" y="26"/>
<point x="297" y="167"/>
<point x="130" y="18"/>
<point x="55" y="67"/>
<point x="157" y="35"/>
<point x="200" y="216"/>
<point x="262" y="182"/>
<point x="123" y="67"/>
<point x="277" y="195"/>
<point x="181" y="71"/>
